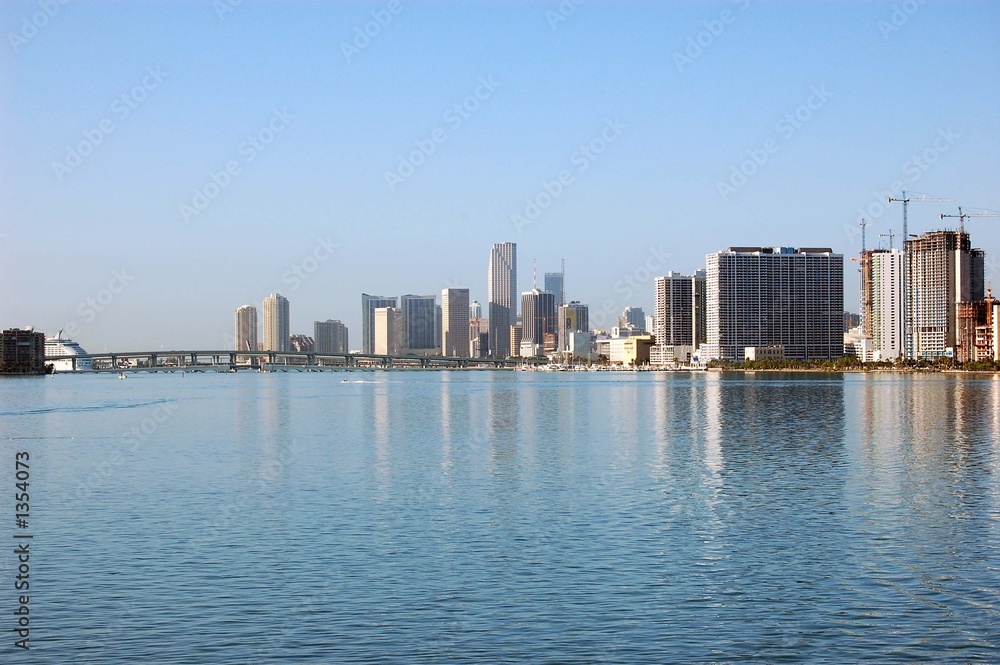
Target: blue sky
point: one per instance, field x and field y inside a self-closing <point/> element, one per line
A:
<point x="646" y="133"/>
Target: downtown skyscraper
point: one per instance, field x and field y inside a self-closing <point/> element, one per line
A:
<point x="502" y="296"/>
<point x="276" y="323"/>
<point x="368" y="306"/>
<point x="418" y="323"/>
<point x="455" y="323"/>
<point x="245" y="335"/>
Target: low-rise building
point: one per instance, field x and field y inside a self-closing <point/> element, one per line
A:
<point x="776" y="352"/>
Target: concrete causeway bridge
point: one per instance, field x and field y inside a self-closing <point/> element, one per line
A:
<point x="277" y="361"/>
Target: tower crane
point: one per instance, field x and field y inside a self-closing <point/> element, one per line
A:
<point x="906" y="200"/>
<point x="890" y="235"/>
<point x="962" y="216"/>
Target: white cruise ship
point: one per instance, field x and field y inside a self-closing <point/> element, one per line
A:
<point x="58" y="346"/>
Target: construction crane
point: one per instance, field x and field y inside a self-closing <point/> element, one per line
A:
<point x="890" y="235"/>
<point x="906" y="200"/>
<point x="962" y="216"/>
<point x="907" y="324"/>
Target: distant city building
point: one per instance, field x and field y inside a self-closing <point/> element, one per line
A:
<point x="538" y="316"/>
<point x="573" y="317"/>
<point x="882" y="302"/>
<point x="368" y="306"/>
<point x="438" y="327"/>
<point x="942" y="270"/>
<point x="650" y="323"/>
<point x="851" y="321"/>
<point x="276" y="323"/>
<point x="455" y="324"/>
<point x="475" y="310"/>
<point x="502" y="286"/>
<point x="764" y="297"/>
<point x="387" y="330"/>
<point x="580" y="345"/>
<point x="246" y="328"/>
<point x="633" y="317"/>
<point x="630" y="350"/>
<point x="22" y="351"/>
<point x="419" y="316"/>
<point x="517" y="339"/>
<point x="554" y="285"/>
<point x="330" y="336"/>
<point x="302" y="344"/>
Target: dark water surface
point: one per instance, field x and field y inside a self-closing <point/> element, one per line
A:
<point x="418" y="517"/>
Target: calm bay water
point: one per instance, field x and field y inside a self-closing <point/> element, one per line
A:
<point x="418" y="517"/>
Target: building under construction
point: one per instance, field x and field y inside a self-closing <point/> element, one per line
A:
<point x="978" y="324"/>
<point x="882" y="301"/>
<point x="942" y="271"/>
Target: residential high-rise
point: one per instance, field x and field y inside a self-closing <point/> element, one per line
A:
<point x="368" y="306"/>
<point x="538" y="318"/>
<point x="276" y="333"/>
<point x="882" y="301"/>
<point x="386" y="331"/>
<point x="330" y="336"/>
<point x="554" y="285"/>
<point x="502" y="294"/>
<point x="22" y="351"/>
<point x="680" y="310"/>
<point x="573" y="317"/>
<point x="245" y="338"/>
<point x="769" y="297"/>
<point x="942" y="270"/>
<point x="455" y="333"/>
<point x="419" y="315"/>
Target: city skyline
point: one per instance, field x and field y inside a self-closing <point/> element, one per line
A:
<point x="293" y="169"/>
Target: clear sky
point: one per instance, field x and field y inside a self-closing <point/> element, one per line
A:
<point x="631" y="125"/>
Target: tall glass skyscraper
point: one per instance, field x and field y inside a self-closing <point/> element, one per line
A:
<point x="419" y="315"/>
<point x="502" y="294"/>
<point x="276" y="333"/>
<point x="455" y="323"/>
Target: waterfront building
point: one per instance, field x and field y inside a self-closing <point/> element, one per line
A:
<point x="942" y="270"/>
<point x="516" y="339"/>
<point x="502" y="297"/>
<point x="387" y="331"/>
<point x="764" y="296"/>
<point x="368" y="306"/>
<point x="977" y="325"/>
<point x="573" y="317"/>
<point x="276" y="323"/>
<point x="882" y="302"/>
<point x="246" y="328"/>
<point x="419" y="319"/>
<point x="580" y="345"/>
<point x="330" y="336"/>
<point x="666" y="354"/>
<point x="22" y="351"/>
<point x="455" y="324"/>
<point x="680" y="311"/>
